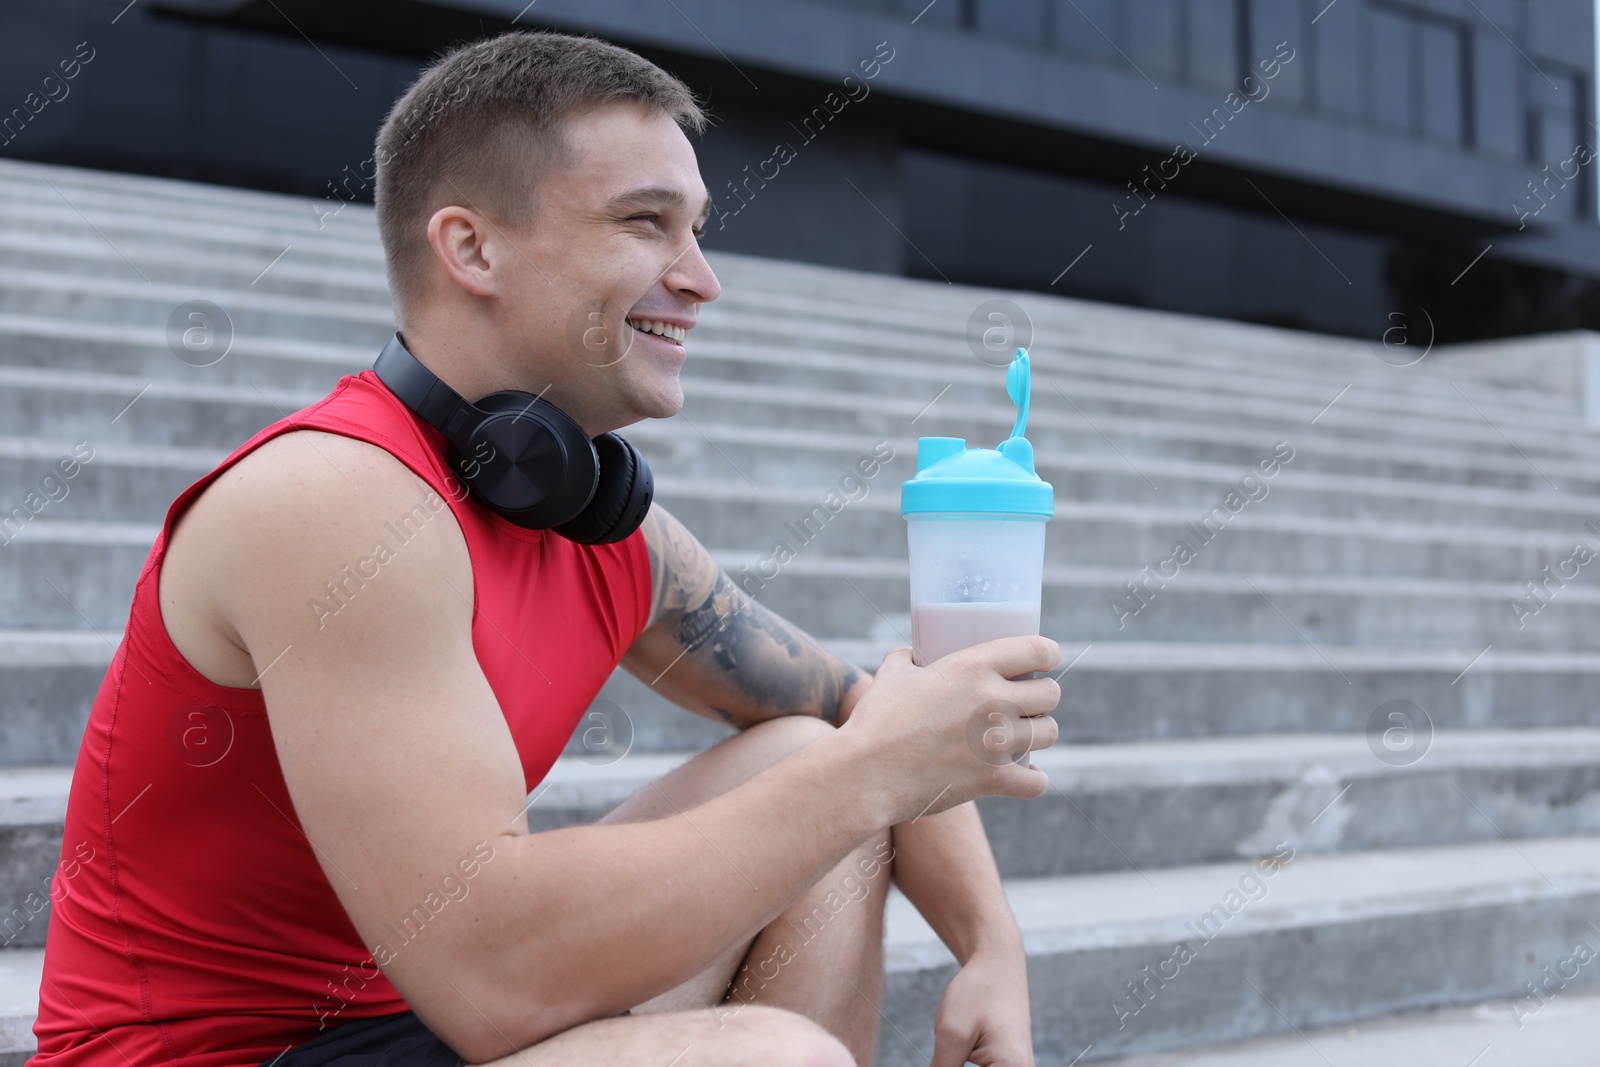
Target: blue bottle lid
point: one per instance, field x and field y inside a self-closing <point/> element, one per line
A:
<point x="952" y="477"/>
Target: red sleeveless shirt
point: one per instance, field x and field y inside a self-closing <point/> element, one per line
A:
<point x="192" y="923"/>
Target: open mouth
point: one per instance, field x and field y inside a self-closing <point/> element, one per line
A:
<point x="664" y="330"/>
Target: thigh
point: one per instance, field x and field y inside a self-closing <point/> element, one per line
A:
<point x="754" y="1034"/>
<point x="704" y="1037"/>
<point x="715" y="771"/>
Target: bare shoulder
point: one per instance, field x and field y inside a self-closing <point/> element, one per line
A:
<point x="346" y="579"/>
<point x="296" y="513"/>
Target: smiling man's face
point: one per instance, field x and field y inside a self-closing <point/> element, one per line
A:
<point x="612" y="248"/>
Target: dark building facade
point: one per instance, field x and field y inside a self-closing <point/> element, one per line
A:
<point x="1299" y="162"/>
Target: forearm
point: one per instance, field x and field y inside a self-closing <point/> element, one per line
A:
<point x="586" y="921"/>
<point x="944" y="866"/>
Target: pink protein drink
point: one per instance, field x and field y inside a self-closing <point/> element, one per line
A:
<point x="939" y="629"/>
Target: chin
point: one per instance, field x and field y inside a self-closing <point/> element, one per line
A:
<point x="654" y="406"/>
<point x="665" y="402"/>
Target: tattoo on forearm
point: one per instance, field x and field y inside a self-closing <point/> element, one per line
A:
<point x="769" y="662"/>
<point x="763" y="656"/>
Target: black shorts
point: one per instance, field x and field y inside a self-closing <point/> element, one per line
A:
<point x="399" y="1040"/>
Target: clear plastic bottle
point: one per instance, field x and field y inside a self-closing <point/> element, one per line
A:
<point x="975" y="525"/>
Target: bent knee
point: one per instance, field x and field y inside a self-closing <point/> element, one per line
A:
<point x="785" y="1038"/>
<point x="789" y="732"/>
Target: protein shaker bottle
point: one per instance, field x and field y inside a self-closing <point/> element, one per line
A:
<point x="975" y="520"/>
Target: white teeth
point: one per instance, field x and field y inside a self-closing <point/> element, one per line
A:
<point x="660" y="329"/>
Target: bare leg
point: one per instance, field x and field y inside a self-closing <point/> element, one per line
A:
<point x="823" y="957"/>
<point x="843" y="913"/>
<point x="759" y="1037"/>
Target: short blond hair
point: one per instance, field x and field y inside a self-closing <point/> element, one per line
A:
<point x="486" y="121"/>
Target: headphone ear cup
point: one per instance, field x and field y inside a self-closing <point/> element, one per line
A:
<point x="528" y="461"/>
<point x="621" y="499"/>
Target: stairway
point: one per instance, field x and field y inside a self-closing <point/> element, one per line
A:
<point x="1218" y="709"/>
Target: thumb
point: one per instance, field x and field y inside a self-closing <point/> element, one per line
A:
<point x="897" y="658"/>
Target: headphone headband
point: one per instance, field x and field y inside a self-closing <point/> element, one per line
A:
<point x="421" y="390"/>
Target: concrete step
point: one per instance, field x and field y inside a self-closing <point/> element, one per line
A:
<point x="88" y="256"/>
<point x="1249" y="351"/>
<point x="1128" y="537"/>
<point x="33" y="292"/>
<point x="1533" y="1030"/>
<point x="1134" y="340"/>
<point x="150" y="303"/>
<point x="1111" y="390"/>
<point x="67" y="574"/>
<point x="160" y="202"/>
<point x="23" y="182"/>
<point x="762" y="315"/>
<point x="1112" y="692"/>
<point x="157" y="203"/>
<point x="1115" y="395"/>
<point x="20" y="977"/>
<point x="1410" y="518"/>
<point x="209" y="230"/>
<point x="1104" y="950"/>
<point x="33" y="808"/>
<point x="53" y="404"/>
<point x="1110" y="807"/>
<point x="1078" y="462"/>
<point x="870" y="598"/>
<point x="770" y="310"/>
<point x="1136" y="690"/>
<point x="44" y="343"/>
<point x="123" y="484"/>
<point x="1132" y="963"/>
<point x="52" y="344"/>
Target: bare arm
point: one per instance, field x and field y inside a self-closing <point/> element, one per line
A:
<point x="711" y="648"/>
<point x="401" y="767"/>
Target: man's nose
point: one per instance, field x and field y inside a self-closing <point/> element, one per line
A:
<point x="692" y="276"/>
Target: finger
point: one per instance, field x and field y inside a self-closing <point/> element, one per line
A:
<point x="1026" y="783"/>
<point x="1011" y="656"/>
<point x="1033" y="732"/>
<point x="1035" y="696"/>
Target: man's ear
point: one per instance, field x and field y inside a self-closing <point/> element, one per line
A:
<point x="460" y="240"/>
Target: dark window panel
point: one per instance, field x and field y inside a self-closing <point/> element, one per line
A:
<point x="1272" y="22"/>
<point x="1341" y="59"/>
<point x="942" y="13"/>
<point x="1441" y="82"/>
<point x="1212" y="39"/>
<point x="1087" y="28"/>
<point x="1393" y="59"/>
<point x="1562" y="31"/>
<point x="1152" y="36"/>
<point x="1022" y="19"/>
<point x="1497" y="85"/>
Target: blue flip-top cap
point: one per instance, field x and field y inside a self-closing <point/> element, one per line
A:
<point x="952" y="477"/>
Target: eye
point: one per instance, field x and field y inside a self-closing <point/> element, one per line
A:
<point x="648" y="216"/>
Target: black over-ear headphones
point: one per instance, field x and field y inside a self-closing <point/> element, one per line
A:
<point x="526" y="459"/>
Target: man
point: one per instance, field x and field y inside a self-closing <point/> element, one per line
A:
<point x="304" y="781"/>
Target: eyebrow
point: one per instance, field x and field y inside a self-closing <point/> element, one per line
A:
<point x="658" y="196"/>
